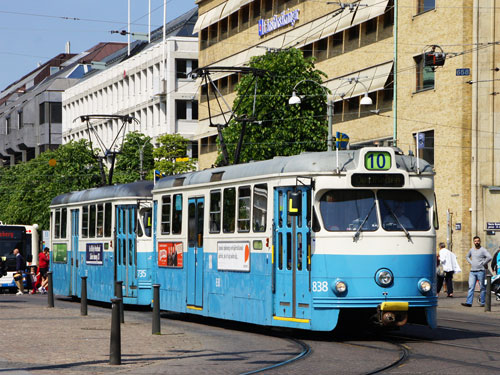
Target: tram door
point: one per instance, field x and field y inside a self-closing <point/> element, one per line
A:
<point x="75" y="225"/>
<point x="292" y="246"/>
<point x="125" y="250"/>
<point x="195" y="252"/>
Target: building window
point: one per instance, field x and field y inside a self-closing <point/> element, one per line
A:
<point x="7" y="126"/>
<point x="424" y="76"/>
<point x="186" y="109"/>
<point x="50" y="112"/>
<point x="425" y="5"/>
<point x="20" y="120"/>
<point x="425" y="145"/>
<point x="184" y="67"/>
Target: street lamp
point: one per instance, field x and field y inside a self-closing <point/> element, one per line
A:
<point x="365" y="100"/>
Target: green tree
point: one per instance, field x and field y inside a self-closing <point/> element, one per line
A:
<point x="27" y="189"/>
<point x="128" y="168"/>
<point x="171" y="155"/>
<point x="277" y="128"/>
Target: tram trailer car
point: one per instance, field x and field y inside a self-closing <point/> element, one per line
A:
<point x="105" y="235"/>
<point x="296" y="241"/>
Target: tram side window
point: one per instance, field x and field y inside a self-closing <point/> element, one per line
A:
<point x="100" y="220"/>
<point x="92" y="212"/>
<point x="177" y="214"/>
<point x="57" y="225"/>
<point x="260" y="208"/>
<point x="165" y="214"/>
<point x="347" y="210"/>
<point x="244" y="209"/>
<point x="215" y="211"/>
<point x="85" y="221"/>
<point x="64" y="222"/>
<point x="228" y="210"/>
<point x="107" y="219"/>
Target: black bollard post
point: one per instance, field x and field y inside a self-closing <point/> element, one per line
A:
<point x="119" y="294"/>
<point x="50" y="294"/>
<point x="487" y="305"/>
<point x="83" y="301"/>
<point x="115" y="346"/>
<point x="156" y="310"/>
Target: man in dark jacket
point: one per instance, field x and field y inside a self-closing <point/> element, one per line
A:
<point x="18" y="275"/>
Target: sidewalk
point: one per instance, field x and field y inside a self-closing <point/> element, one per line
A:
<point x="459" y="297"/>
<point x="60" y="340"/>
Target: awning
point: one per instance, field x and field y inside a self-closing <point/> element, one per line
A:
<point x="368" y="9"/>
<point x="209" y="18"/>
<point x="356" y="84"/>
<point x="231" y="7"/>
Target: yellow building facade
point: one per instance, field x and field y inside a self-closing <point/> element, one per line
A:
<point x="446" y="114"/>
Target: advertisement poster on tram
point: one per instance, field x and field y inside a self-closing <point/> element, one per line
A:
<point x="233" y="256"/>
<point x="60" y="252"/>
<point x="94" y="253"/>
<point x="170" y="254"/>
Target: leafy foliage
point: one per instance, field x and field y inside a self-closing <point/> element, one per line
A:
<point x="172" y="147"/>
<point x="277" y="128"/>
<point x="27" y="189"/>
<point x="127" y="168"/>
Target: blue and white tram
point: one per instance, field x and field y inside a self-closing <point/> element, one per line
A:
<point x="296" y="241"/>
<point x="105" y="234"/>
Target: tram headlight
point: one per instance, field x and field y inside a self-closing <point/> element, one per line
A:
<point x="424" y="286"/>
<point x="340" y="287"/>
<point x="384" y="278"/>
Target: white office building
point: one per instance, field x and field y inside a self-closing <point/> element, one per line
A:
<point x="152" y="84"/>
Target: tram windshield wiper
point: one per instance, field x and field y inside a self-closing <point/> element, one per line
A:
<point x="358" y="231"/>
<point x="397" y="219"/>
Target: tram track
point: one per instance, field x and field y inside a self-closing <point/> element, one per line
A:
<point x="306" y="350"/>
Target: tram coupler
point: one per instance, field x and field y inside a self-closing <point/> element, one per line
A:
<point x="392" y="314"/>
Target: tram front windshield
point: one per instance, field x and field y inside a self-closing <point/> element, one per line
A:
<point x="403" y="208"/>
<point x="346" y="210"/>
<point x="353" y="210"/>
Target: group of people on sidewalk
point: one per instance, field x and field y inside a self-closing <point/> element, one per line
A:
<point x="478" y="257"/>
<point x="36" y="279"/>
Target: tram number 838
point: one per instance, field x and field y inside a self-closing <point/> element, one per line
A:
<point x="320" y="286"/>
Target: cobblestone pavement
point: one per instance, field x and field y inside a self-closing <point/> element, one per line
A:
<point x="35" y="339"/>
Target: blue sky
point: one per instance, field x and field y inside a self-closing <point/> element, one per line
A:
<point x="33" y="31"/>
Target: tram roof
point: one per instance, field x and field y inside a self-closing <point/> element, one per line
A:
<point x="306" y="163"/>
<point x="138" y="189"/>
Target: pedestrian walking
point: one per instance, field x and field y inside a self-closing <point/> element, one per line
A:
<point x="43" y="268"/>
<point x="18" y="275"/>
<point x="448" y="261"/>
<point x="478" y="257"/>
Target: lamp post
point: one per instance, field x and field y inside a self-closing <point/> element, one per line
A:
<point x="365" y="100"/>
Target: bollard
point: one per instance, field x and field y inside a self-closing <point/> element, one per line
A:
<point x="487" y="305"/>
<point x="115" y="348"/>
<point x="119" y="294"/>
<point x="156" y="310"/>
<point x="83" y="301"/>
<point x="50" y="294"/>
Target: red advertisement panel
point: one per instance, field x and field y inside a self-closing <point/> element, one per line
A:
<point x="170" y="254"/>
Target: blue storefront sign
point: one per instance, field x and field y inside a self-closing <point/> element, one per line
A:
<point x="94" y="253"/>
<point x="287" y="17"/>
<point x="493" y="225"/>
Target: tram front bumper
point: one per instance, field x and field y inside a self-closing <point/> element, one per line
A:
<point x="392" y="314"/>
